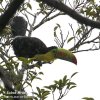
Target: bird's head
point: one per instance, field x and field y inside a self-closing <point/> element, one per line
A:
<point x="63" y="54"/>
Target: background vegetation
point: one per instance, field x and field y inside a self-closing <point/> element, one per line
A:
<point x="17" y="75"/>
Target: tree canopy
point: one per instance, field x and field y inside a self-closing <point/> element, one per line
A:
<point x="18" y="73"/>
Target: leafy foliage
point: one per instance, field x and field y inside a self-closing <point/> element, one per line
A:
<point x="40" y="94"/>
<point x="22" y="72"/>
<point x="63" y="85"/>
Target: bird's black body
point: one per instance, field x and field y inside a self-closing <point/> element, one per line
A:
<point x="28" y="47"/>
<point x="18" y="25"/>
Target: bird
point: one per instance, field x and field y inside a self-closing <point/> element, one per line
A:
<point x="18" y="26"/>
<point x="56" y="53"/>
<point x="27" y="47"/>
<point x="34" y="48"/>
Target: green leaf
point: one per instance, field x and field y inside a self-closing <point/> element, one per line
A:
<point x="38" y="0"/>
<point x="59" y="25"/>
<point x="56" y="82"/>
<point x="55" y="35"/>
<point x="1" y="1"/>
<point x="38" y="89"/>
<point x="51" y="87"/>
<point x="70" y="84"/>
<point x="32" y="78"/>
<point x="47" y="87"/>
<point x="46" y="93"/>
<point x="41" y="73"/>
<point x="60" y="84"/>
<point x="72" y="87"/>
<point x="1" y="10"/>
<point x="29" y="6"/>
<point x="70" y="39"/>
<point x="38" y="78"/>
<point x="74" y="74"/>
<point x="88" y="98"/>
<point x="65" y="80"/>
<point x="55" y="28"/>
<point x="92" y="1"/>
<point x="35" y="98"/>
<point x="88" y="10"/>
<point x="41" y="5"/>
<point x="79" y="31"/>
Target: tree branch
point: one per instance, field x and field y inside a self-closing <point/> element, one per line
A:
<point x="86" y="50"/>
<point x="7" y="83"/>
<point x="72" y="13"/>
<point x="79" y="42"/>
<point x="44" y="20"/>
<point x="13" y="7"/>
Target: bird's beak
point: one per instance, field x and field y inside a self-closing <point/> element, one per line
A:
<point x="66" y="55"/>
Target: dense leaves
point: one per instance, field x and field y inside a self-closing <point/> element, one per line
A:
<point x="63" y="85"/>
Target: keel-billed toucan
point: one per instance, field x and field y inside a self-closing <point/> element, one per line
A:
<point x="31" y="47"/>
<point x="18" y="26"/>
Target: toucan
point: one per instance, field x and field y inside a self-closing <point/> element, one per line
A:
<point x="18" y="26"/>
<point x="32" y="47"/>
